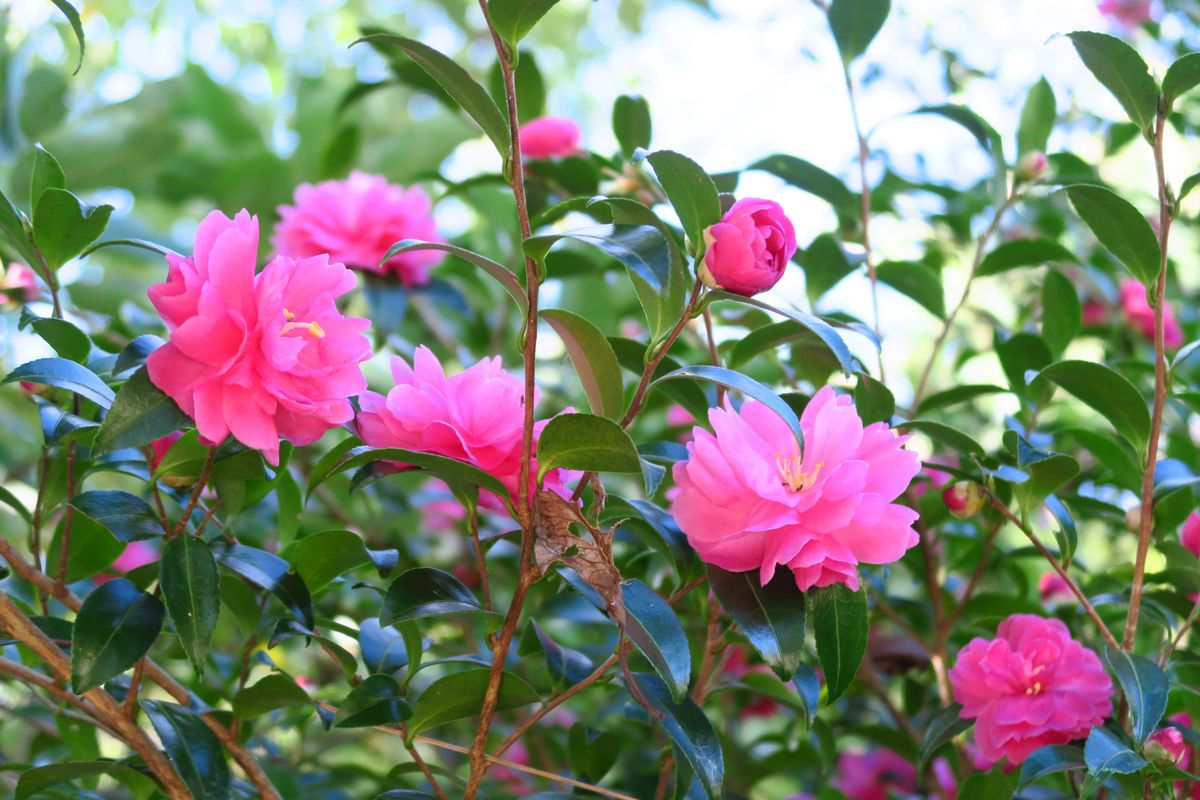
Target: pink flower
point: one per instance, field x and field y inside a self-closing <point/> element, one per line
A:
<point x="1189" y="534"/>
<point x="261" y="357"/>
<point x="20" y="278"/>
<point x="944" y="783"/>
<point x="161" y="445"/>
<point x="1031" y="686"/>
<point x="515" y="781"/>
<point x="135" y="554"/>
<point x="1129" y="13"/>
<point x="1136" y="305"/>
<point x="474" y="416"/>
<point x="1053" y="587"/>
<point x="737" y="666"/>
<point x="750" y="500"/>
<point x="678" y="416"/>
<point x="1166" y="745"/>
<point x="1095" y="312"/>
<point x="747" y="251"/>
<point x="549" y="137"/>
<point x="356" y="221"/>
<point x="874" y="775"/>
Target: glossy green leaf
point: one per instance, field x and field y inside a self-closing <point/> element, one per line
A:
<point x="1050" y="760"/>
<point x="1023" y="253"/>
<point x="448" y="469"/>
<point x="67" y="340"/>
<point x="825" y="264"/>
<point x="192" y="748"/>
<point x="321" y="557"/>
<point x="47" y="174"/>
<point x="944" y="434"/>
<point x="1105" y="753"/>
<point x="267" y="571"/>
<point x="1182" y="76"/>
<point x="691" y="731"/>
<point x="1019" y="354"/>
<point x="917" y="282"/>
<point x="956" y="395"/>
<point x="274" y="691"/>
<point x="115" y="627"/>
<point x="1122" y="71"/>
<point x="426" y="592"/>
<point x="513" y="19"/>
<point x="457" y="82"/>
<point x="631" y="123"/>
<point x="816" y="181"/>
<point x="827" y="333"/>
<point x="1107" y="392"/>
<point x="378" y="700"/>
<point x="855" y="23"/>
<point x="63" y="226"/>
<point x="772" y="616"/>
<point x="586" y="442"/>
<point x="943" y="727"/>
<point x="72" y="15"/>
<point x="1121" y="228"/>
<point x="503" y="275"/>
<point x="460" y="694"/>
<point x="140" y="413"/>
<point x="1145" y="686"/>
<point x="839" y="620"/>
<point x="641" y="248"/>
<point x="36" y="780"/>
<point x="64" y="374"/>
<point x="382" y="648"/>
<point x="191" y="589"/>
<point x="126" y="516"/>
<point x="691" y="191"/>
<point x="1047" y="472"/>
<point x="747" y="386"/>
<point x="651" y="624"/>
<point x="92" y="549"/>
<point x="1062" y="313"/>
<point x="594" y="361"/>
<point x="1037" y="119"/>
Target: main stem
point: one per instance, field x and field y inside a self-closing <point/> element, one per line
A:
<point x="526" y="571"/>
<point x="1160" y="389"/>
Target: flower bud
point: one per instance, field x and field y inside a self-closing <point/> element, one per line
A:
<point x="1133" y="519"/>
<point x="1031" y="166"/>
<point x="1166" y="747"/>
<point x="748" y="250"/>
<point x="964" y="499"/>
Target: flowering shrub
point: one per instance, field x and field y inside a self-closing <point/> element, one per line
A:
<point x="626" y="520"/>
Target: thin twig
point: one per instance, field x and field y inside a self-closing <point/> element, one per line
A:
<point x="874" y="682"/>
<point x="976" y="577"/>
<point x="420" y="762"/>
<point x="135" y="683"/>
<point x="1178" y="637"/>
<point x="201" y="482"/>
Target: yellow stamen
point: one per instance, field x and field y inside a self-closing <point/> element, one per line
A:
<point x="793" y="477"/>
<point x="1035" y="689"/>
<point x="314" y="328"/>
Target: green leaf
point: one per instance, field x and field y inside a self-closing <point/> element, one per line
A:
<point x="944" y="726"/>
<point x="501" y="273"/>
<point x="631" y="123"/>
<point x="383" y="649"/>
<point x="1019" y="354"/>
<point x="1122" y="71"/>
<point x="585" y="442"/>
<point x="64" y="374"/>
<point x="839" y="622"/>
<point x="140" y="414"/>
<point x="457" y="82"/>
<point x="1062" y="314"/>
<point x="1145" y="686"/>
<point x="688" y="394"/>
<point x="1107" y="392"/>
<point x="1105" y="753"/>
<point x="267" y="571"/>
<point x="1023" y="253"/>
<point x="1047" y="472"/>
<point x="771" y="616"/>
<point x="641" y="248"/>
<point x="135" y="353"/>
<point x="810" y="178"/>
<point x="593" y="359"/>
<point x="92" y="549"/>
<point x="872" y="400"/>
<point x="820" y="327"/>
<point x="140" y="244"/>
<point x="691" y="731"/>
<point x="191" y="588"/>
<point x="273" y="691"/>
<point x="1182" y="76"/>
<point x="825" y="263"/>
<point x="1066" y="534"/>
<point x="47" y="174"/>
<point x="72" y="16"/>
<point x="460" y="695"/>
<point x="192" y="749"/>
<point x="956" y="395"/>
<point x="513" y="19"/>
<point x="915" y="281"/>
<point x="114" y="628"/>
<point x="940" y="432"/>
<point x="11" y="500"/>
<point x="126" y="516"/>
<point x="747" y="386"/>
<point x="426" y="592"/>
<point x="323" y="556"/>
<point x="691" y="191"/>
<point x="530" y="86"/>
<point x="855" y="23"/>
<point x="15" y="226"/>
<point x="1037" y="119"/>
<point x="1050" y="760"/>
<point x="995" y="785"/>
<point x="288" y="628"/>
<point x="36" y="780"/>
<point x="652" y="625"/>
<point x="1121" y="228"/>
<point x="67" y="340"/>
<point x="448" y="469"/>
<point x="987" y="137"/>
<point x="63" y="226"/>
<point x="378" y="700"/>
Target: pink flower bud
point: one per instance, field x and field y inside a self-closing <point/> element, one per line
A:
<point x="964" y="499"/>
<point x="1031" y="166"/>
<point x="1166" y="746"/>
<point x="1053" y="587"/>
<point x="549" y="137"/>
<point x="1189" y="535"/>
<point x="747" y="251"/>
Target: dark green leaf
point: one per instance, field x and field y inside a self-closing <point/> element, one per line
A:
<point x="1182" y="76"/>
<point x="47" y="174"/>
<point x="653" y="626"/>
<point x="747" y="386"/>
<point x="64" y="374"/>
<point x="1189" y="183"/>
<point x="771" y="616"/>
<point x="1023" y="253"/>
<point x="592" y="753"/>
<point x="1145" y="687"/>
<point x="1047" y="471"/>
<point x="126" y="516"/>
<point x="378" y="700"/>
<point x="513" y="19"/>
<point x="946" y="435"/>
<point x="383" y="649"/>
<point x="691" y="732"/>
<point x="956" y="395"/>
<point x="140" y="414"/>
<point x="995" y="785"/>
<point x="1019" y="354"/>
<point x="34" y="781"/>
<point x="267" y="571"/>
<point x="1105" y="753"/>
<point x="691" y="192"/>
<point x="593" y="359"/>
<point x="855" y="23"/>
<point x="1037" y="119"/>
<point x="323" y="556"/>
<point x="1121" y="228"/>
<point x="272" y="692"/>
<point x="631" y="123"/>
<point x="92" y="549"/>
<point x="67" y="340"/>
<point x="135" y="353"/>
<point x="1061" y="311"/>
<point x="1065" y="533"/>
<point x="641" y="248"/>
<point x="460" y="694"/>
<point x="11" y="500"/>
<point x="809" y="177"/>
<point x="448" y="469"/>
<point x="585" y="442"/>
<point x="426" y="592"/>
<point x="72" y="15"/>
<point x="916" y="281"/>
<point x="839" y="621"/>
<point x="820" y="327"/>
<point x="192" y="749"/>
<point x="1122" y="71"/>
<point x="1106" y="391"/>
<point x="1049" y="760"/>
<point x="115" y="627"/>
<point x="192" y="592"/>
<point x="63" y="226"/>
<point x="825" y="263"/>
<point x="944" y="726"/>
<point x="288" y="628"/>
<point x="501" y="273"/>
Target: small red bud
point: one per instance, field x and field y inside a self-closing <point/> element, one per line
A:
<point x="964" y="499"/>
<point x="1031" y="166"/>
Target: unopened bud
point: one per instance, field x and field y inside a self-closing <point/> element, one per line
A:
<point x="1166" y="746"/>
<point x="1031" y="166"/>
<point x="964" y="499"/>
<point x="1133" y="518"/>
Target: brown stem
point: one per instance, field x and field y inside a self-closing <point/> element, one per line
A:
<point x="664" y="776"/>
<point x="420" y="762"/>
<point x="874" y="682"/>
<point x="1160" y="390"/>
<point x="48" y="685"/>
<point x="135" y="683"/>
<point x="1058" y="567"/>
<point x="148" y="453"/>
<point x="201" y="482"/>
<point x="712" y="638"/>
<point x="1178" y="637"/>
<point x="639" y="394"/>
<point x="682" y="591"/>
<point x="976" y="577"/>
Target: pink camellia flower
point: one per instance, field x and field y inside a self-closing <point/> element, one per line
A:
<point x="356" y="221"/>
<point x="1189" y="534"/>
<point x="1167" y="746"/>
<point x="874" y="775"/>
<point x="749" y="499"/>
<point x="747" y="251"/>
<point x="1129" y="13"/>
<point x="474" y="416"/>
<point x="20" y="279"/>
<point x="1136" y="305"/>
<point x="135" y="554"/>
<point x="549" y="137"/>
<point x="1095" y="312"/>
<point x="1054" y="588"/>
<point x="264" y="356"/>
<point x="1031" y="686"/>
